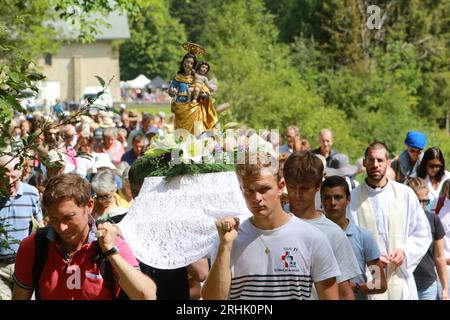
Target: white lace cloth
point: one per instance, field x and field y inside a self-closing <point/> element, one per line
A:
<point x="171" y="225"/>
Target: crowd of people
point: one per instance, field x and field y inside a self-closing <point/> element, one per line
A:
<point x="321" y="228"/>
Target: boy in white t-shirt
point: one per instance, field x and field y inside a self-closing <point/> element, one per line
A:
<point x="303" y="173"/>
<point x="272" y="255"/>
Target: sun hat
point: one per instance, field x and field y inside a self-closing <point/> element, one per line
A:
<point x="107" y="122"/>
<point x="340" y="166"/>
<point x="134" y="116"/>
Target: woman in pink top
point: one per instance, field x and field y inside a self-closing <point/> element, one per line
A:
<point x="111" y="145"/>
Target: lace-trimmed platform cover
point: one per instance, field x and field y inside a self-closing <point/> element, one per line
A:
<point x="172" y="224"/>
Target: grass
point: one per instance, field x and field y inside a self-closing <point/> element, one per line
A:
<point x="152" y="108"/>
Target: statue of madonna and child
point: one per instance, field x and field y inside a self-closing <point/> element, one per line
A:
<point x="191" y="90"/>
<point x="171" y="223"/>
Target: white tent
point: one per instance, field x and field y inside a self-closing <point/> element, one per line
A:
<point x="140" y="82"/>
<point x="123" y="85"/>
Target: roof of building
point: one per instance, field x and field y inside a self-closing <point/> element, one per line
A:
<point x="116" y="28"/>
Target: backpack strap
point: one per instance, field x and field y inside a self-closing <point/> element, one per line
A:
<point x="439" y="204"/>
<point x="107" y="273"/>
<point x="40" y="257"/>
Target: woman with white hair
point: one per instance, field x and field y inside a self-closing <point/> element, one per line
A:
<point x="111" y="145"/>
<point x="106" y="203"/>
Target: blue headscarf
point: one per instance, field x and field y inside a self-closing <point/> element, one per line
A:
<point x="416" y="139"/>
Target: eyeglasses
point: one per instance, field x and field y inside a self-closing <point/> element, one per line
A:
<point x="414" y="150"/>
<point x="103" y="197"/>
<point x="424" y="202"/>
<point x="434" y="166"/>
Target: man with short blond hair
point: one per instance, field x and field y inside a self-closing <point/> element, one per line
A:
<point x="272" y="255"/>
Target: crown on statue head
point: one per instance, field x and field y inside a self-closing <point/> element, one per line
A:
<point x="193" y="48"/>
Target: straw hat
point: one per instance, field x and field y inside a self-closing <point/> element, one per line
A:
<point x="134" y="116"/>
<point x="107" y="123"/>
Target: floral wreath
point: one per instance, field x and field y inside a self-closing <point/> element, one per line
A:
<point x="181" y="153"/>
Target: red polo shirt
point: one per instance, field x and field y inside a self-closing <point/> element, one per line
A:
<point x="77" y="278"/>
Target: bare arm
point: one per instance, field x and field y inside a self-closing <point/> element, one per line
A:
<point x="198" y="270"/>
<point x="197" y="273"/>
<point x="327" y="289"/>
<point x="346" y="291"/>
<point x="135" y="284"/>
<point x="217" y="285"/>
<point x="195" y="289"/>
<point x="441" y="266"/>
<point x="20" y="293"/>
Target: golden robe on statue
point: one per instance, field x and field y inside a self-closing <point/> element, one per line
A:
<point x="194" y="117"/>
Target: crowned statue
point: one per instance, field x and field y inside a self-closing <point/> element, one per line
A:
<point x="191" y="90"/>
<point x="188" y="178"/>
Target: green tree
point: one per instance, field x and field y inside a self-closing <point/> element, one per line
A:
<point x="254" y="71"/>
<point x="294" y="18"/>
<point x="338" y="28"/>
<point x="256" y="75"/>
<point x="26" y="32"/>
<point x="192" y="14"/>
<point x="155" y="43"/>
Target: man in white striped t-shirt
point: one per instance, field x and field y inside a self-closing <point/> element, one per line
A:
<point x="272" y="255"/>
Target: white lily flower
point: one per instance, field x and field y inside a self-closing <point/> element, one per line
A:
<point x="166" y="142"/>
<point x="192" y="149"/>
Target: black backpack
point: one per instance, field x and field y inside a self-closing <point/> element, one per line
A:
<point x="40" y="257"/>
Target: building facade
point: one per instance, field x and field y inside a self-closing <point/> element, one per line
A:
<point x="74" y="67"/>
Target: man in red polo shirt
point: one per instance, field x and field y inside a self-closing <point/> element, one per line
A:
<point x="69" y="272"/>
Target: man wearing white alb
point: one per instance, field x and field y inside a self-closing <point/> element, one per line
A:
<point x="392" y="213"/>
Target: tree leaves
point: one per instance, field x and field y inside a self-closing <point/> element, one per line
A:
<point x="100" y="79"/>
<point x="12" y="102"/>
<point x="35" y="76"/>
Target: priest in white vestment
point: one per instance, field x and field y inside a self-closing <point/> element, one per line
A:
<point x="392" y="213"/>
